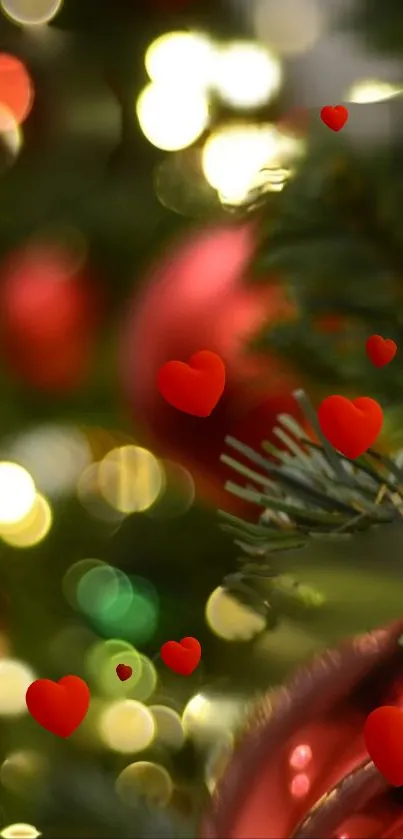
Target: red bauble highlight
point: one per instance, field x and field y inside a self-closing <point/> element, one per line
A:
<point x="198" y="296"/>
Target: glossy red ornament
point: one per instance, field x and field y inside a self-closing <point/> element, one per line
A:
<point x="198" y="296"/>
<point x="49" y="314"/>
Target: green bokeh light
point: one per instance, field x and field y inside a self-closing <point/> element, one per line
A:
<point x="105" y="594"/>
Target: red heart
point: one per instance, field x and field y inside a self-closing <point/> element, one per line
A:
<point x="124" y="671"/>
<point x="380" y="350"/>
<point x="351" y="426"/>
<point x="196" y="387"/>
<point x="182" y="658"/>
<point x="383" y="733"/>
<point x="334" y="116"/>
<point x="61" y="706"/>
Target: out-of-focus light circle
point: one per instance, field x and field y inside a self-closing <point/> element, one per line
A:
<point x="300" y="756"/>
<point x="15" y="679"/>
<point x="54" y="456"/>
<point x="16" y="91"/>
<point x="17" y="493"/>
<point x="233" y="156"/>
<point x="130" y="479"/>
<point x="172" y="117"/>
<point x="104" y="593"/>
<point x="205" y="718"/>
<point x="74" y="575"/>
<point x="246" y="75"/>
<point x="108" y="681"/>
<point x="32" y="529"/>
<point x="102" y="652"/>
<point x="11" y="139"/>
<point x="147" y="780"/>
<point x="20" y="831"/>
<point x="289" y="27"/>
<point x="176" y="55"/>
<point x="148" y="681"/>
<point x="169" y="728"/>
<point x="369" y="91"/>
<point x="89" y="494"/>
<point x="179" y="493"/>
<point x="300" y="786"/>
<point x="127" y="726"/>
<point x="231" y="620"/>
<point x="23" y="773"/>
<point x="31" y="12"/>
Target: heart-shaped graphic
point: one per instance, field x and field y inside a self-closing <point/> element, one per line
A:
<point x="383" y="733"/>
<point x="380" y="350"/>
<point x="124" y="671"/>
<point x="182" y="658"/>
<point x="196" y="387"/>
<point x="351" y="426"/>
<point x="61" y="706"/>
<point x="334" y="116"/>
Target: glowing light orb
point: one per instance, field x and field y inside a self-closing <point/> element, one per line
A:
<point x="17" y="493"/>
<point x="172" y="117"/>
<point x="127" y="726"/>
<point x="176" y="54"/>
<point x="31" y="12"/>
<point x="15" y="679"/>
<point x="246" y="75"/>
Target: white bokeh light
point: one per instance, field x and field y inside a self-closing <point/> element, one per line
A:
<point x="31" y="12"/>
<point x="17" y="493"/>
<point x="172" y="117"/>
<point x="176" y="54"/>
<point x="246" y="75"/>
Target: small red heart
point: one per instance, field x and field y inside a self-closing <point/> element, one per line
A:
<point x="124" y="671"/>
<point x="196" y="387"/>
<point x="383" y="733"/>
<point x="380" y="350"/>
<point x="61" y="706"/>
<point x="182" y="658"/>
<point x="351" y="426"/>
<point x="334" y="116"/>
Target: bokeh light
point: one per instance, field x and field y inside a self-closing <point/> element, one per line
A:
<point x="11" y="139"/>
<point x="74" y="575"/>
<point x="178" y="494"/>
<point x="206" y="717"/>
<point x="368" y="91"/>
<point x="55" y="456"/>
<point x="177" y="54"/>
<point x="130" y="479"/>
<point x="172" y="117"/>
<point x="147" y="683"/>
<point x="109" y="683"/>
<point x="230" y="619"/>
<point x="15" y="679"/>
<point x="32" y="529"/>
<point x="127" y="726"/>
<point x="31" y="12"/>
<point x="169" y="729"/>
<point x="246" y="75"/>
<point x="17" y="493"/>
<point x="24" y="773"/>
<point x="102" y="652"/>
<point x="290" y="27"/>
<point x="104" y="591"/>
<point x="234" y="155"/>
<point x="20" y="831"/>
<point x="148" y="780"/>
<point x="300" y="786"/>
<point x="16" y="92"/>
<point x="300" y="756"/>
<point x="90" y="496"/>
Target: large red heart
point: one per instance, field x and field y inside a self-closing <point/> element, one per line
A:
<point x="61" y="706"/>
<point x="334" y="116"/>
<point x="351" y="426"/>
<point x="380" y="350"/>
<point x="182" y="658"/>
<point x="383" y="733"/>
<point x="196" y="387"/>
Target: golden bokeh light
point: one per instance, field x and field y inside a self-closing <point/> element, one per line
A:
<point x="17" y="493"/>
<point x="172" y="117"/>
<point x="177" y="54"/>
<point x="246" y="75"/>
<point x="32" y="529"/>
<point x="91" y="498"/>
<point x="233" y="157"/>
<point x="210" y="717"/>
<point x="127" y="726"/>
<point x="230" y="620"/>
<point x="369" y="91"/>
<point x="31" y="12"/>
<point x="148" y="780"/>
<point x="179" y="492"/>
<point x="169" y="729"/>
<point x="20" y="831"/>
<point x="130" y="479"/>
<point x="15" y="679"/>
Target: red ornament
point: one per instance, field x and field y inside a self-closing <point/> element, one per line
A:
<point x="198" y="296"/>
<point x="383" y="732"/>
<point x="49" y="313"/>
